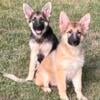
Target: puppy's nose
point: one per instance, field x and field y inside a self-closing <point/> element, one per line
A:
<point x="74" y="40"/>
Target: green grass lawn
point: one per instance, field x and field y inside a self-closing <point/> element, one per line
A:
<point x="15" y="52"/>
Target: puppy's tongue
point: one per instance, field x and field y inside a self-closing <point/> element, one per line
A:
<point x="38" y="31"/>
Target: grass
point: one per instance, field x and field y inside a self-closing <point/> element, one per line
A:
<point x="14" y="49"/>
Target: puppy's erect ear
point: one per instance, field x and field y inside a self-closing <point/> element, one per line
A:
<point x="63" y="21"/>
<point x="47" y="9"/>
<point x="28" y="11"/>
<point x="85" y="21"/>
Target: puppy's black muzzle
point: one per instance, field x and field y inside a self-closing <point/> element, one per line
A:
<point x="74" y="40"/>
<point x="38" y="25"/>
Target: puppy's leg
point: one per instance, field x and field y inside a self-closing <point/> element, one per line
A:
<point x="33" y="59"/>
<point x="46" y="88"/>
<point x="77" y="82"/>
<point x="61" y="84"/>
<point x="43" y="84"/>
<point x="42" y="80"/>
<point x="33" y="63"/>
<point x="46" y="81"/>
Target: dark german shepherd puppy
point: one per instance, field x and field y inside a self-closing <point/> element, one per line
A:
<point x="42" y="39"/>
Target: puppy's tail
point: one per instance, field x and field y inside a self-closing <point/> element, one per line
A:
<point x="13" y="77"/>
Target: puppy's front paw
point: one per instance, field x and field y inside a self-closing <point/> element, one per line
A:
<point x="82" y="98"/>
<point x="29" y="77"/>
<point x="64" y="98"/>
<point x="46" y="89"/>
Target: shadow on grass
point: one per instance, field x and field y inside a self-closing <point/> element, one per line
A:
<point x="91" y="70"/>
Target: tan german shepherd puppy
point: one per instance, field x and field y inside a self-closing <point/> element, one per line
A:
<point x="66" y="62"/>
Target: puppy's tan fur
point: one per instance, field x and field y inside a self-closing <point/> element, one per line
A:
<point x="66" y="62"/>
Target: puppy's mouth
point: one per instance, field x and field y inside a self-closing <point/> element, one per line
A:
<point x="39" y="32"/>
<point x="38" y="27"/>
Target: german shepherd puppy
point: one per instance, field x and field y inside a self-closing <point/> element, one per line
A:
<point x="42" y="39"/>
<point x="66" y="62"/>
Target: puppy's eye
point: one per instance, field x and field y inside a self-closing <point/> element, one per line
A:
<point x="78" y="32"/>
<point x="42" y="19"/>
<point x="34" y="19"/>
<point x="70" y="31"/>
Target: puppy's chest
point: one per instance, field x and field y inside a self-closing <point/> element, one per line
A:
<point x="71" y="66"/>
<point x="43" y="48"/>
